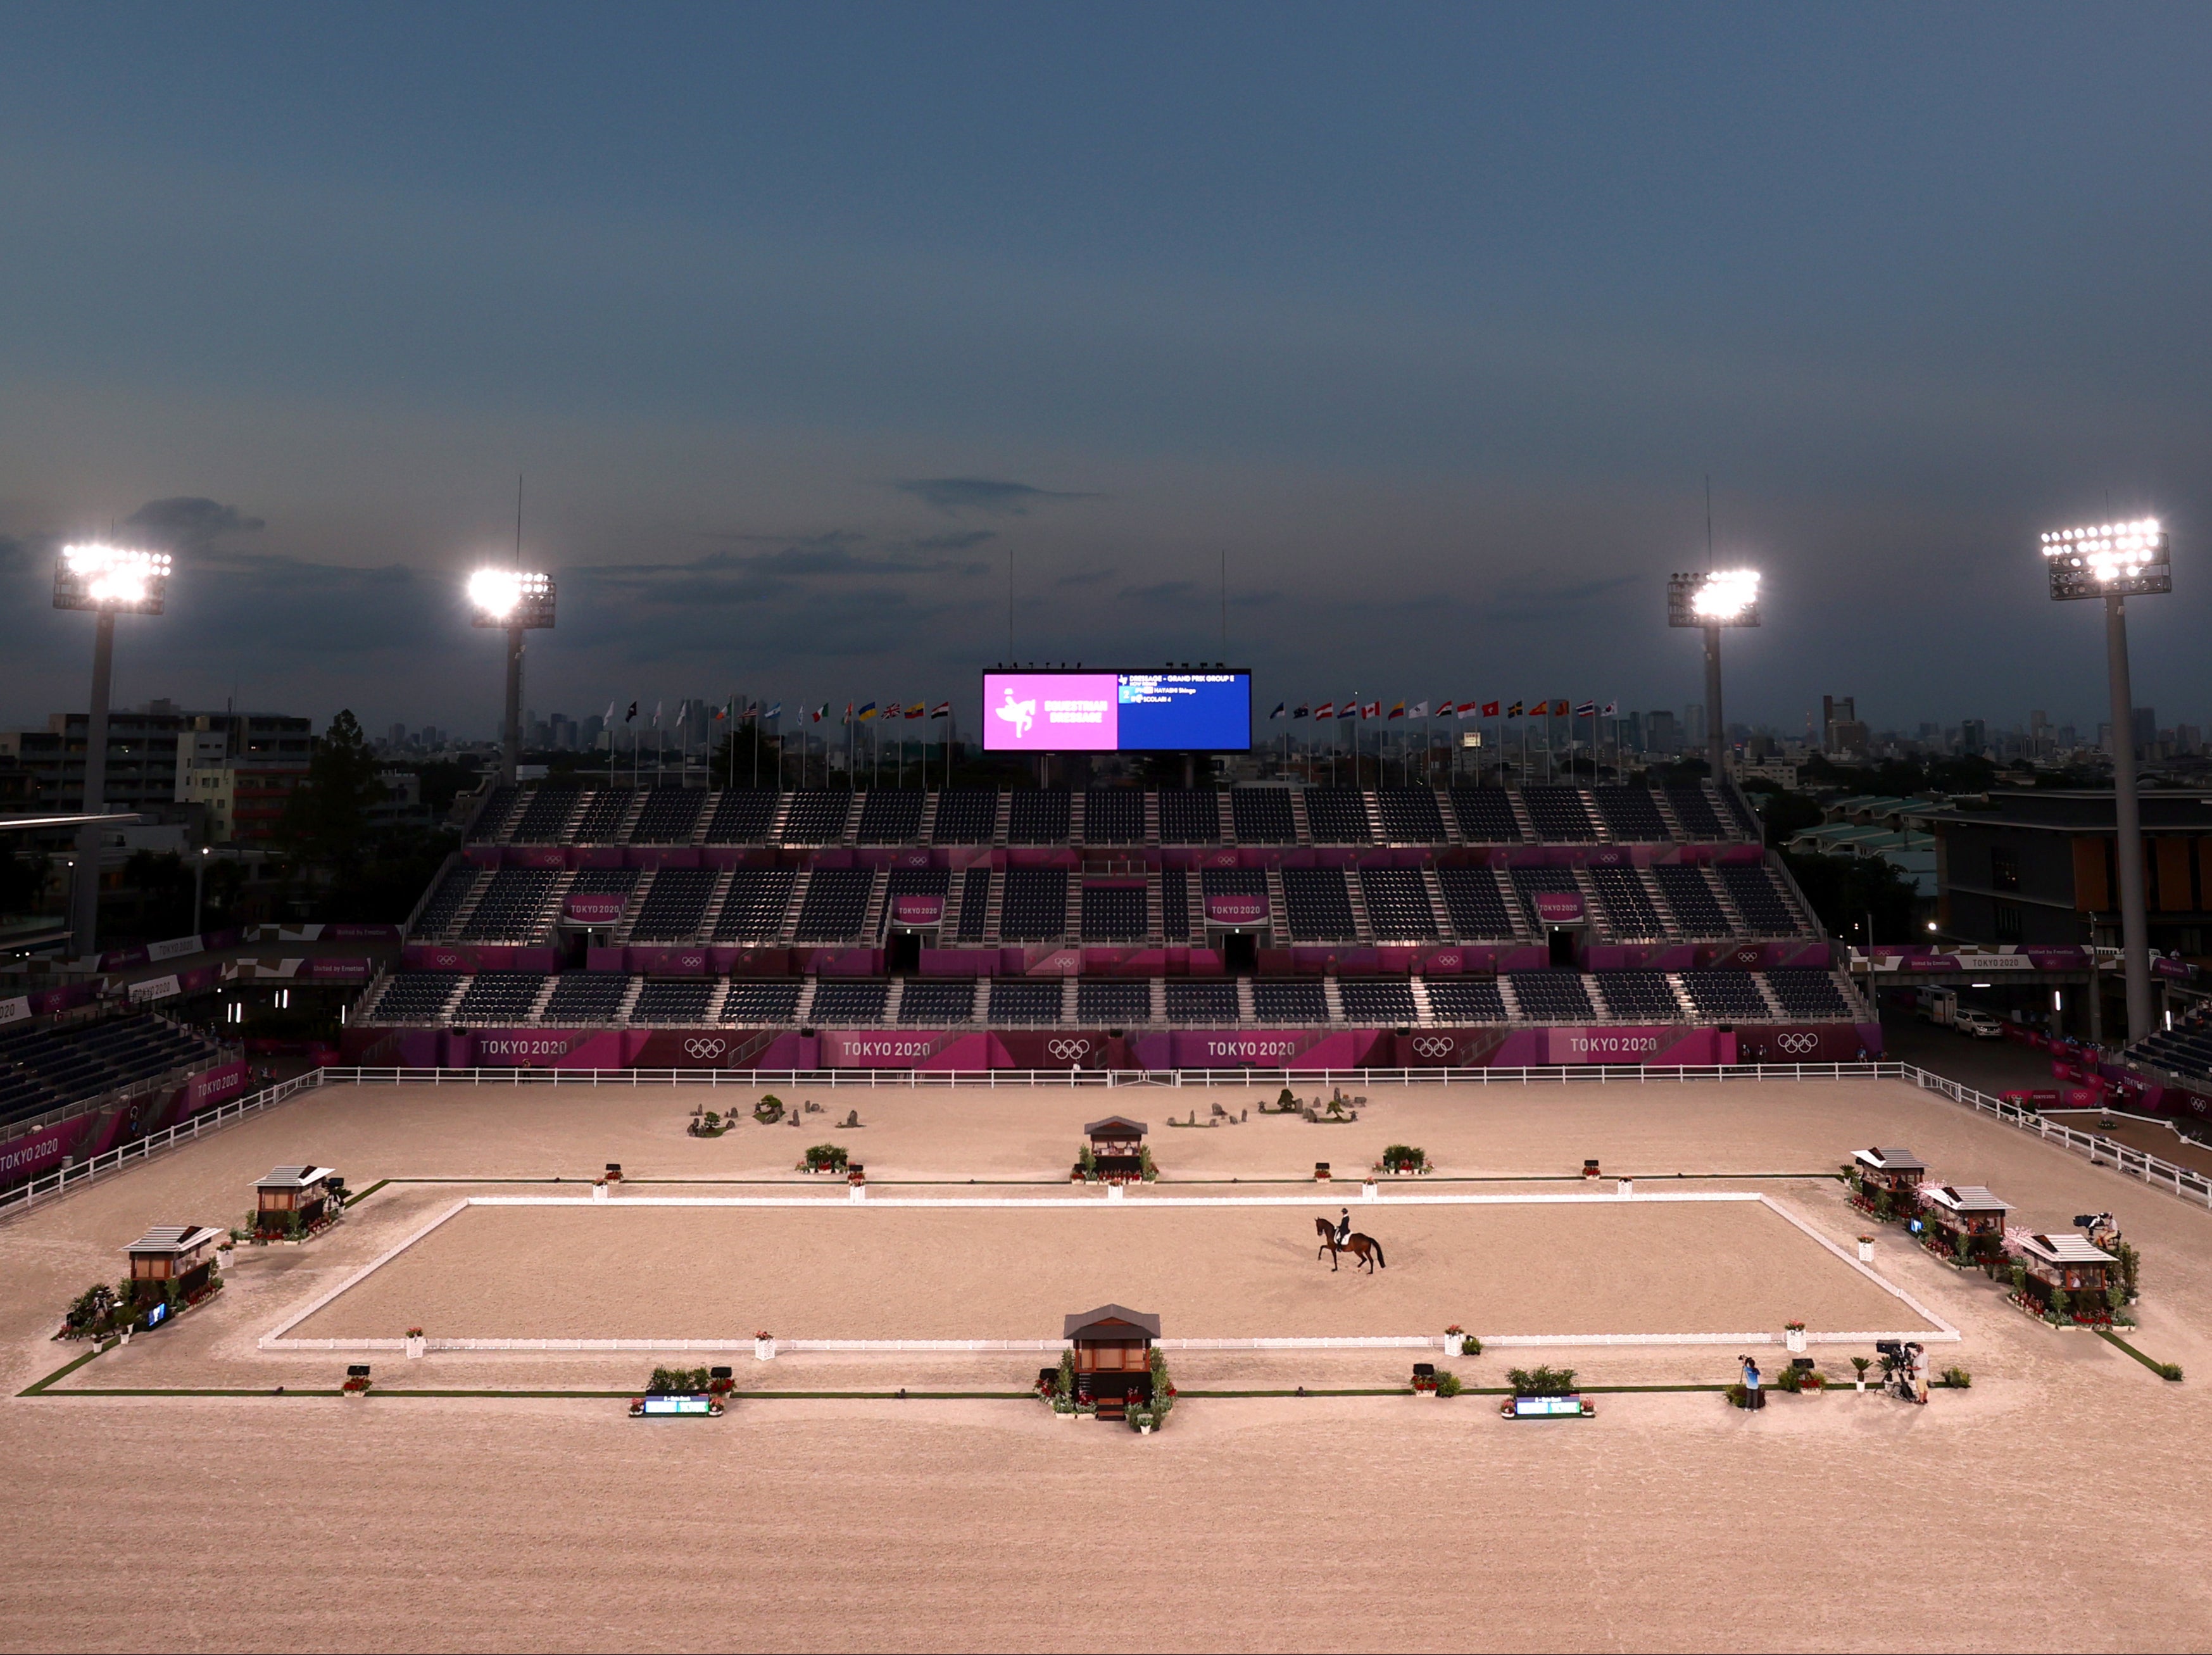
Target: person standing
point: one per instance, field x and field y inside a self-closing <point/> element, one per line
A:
<point x="1919" y="1354"/>
<point x="1753" y="1397"/>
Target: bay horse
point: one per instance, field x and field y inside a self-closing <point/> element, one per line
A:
<point x="1365" y="1249"/>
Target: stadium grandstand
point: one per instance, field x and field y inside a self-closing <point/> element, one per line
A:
<point x="1651" y="920"/>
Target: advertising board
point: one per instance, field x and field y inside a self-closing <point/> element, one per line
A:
<point x="1164" y="711"/>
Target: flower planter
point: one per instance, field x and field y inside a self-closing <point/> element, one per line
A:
<point x="1144" y="1431"/>
<point x="416" y="1347"/>
<point x="1793" y="1339"/>
<point x="1367" y="1190"/>
<point x="764" y="1350"/>
<point x="598" y="1192"/>
<point x="1866" y="1250"/>
<point x="1115" y="1191"/>
<point x="1624" y="1187"/>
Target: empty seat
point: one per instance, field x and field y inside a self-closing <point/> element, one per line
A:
<point x="675" y="905"/>
<point x="890" y="816"/>
<point x="975" y="902"/>
<point x="1338" y="816"/>
<point x="447" y="900"/>
<point x="1377" y="1000"/>
<point x="1113" y="1002"/>
<point x="915" y="882"/>
<point x="1114" y="913"/>
<point x="1317" y="905"/>
<point x="1637" y="997"/>
<point x="930" y="1001"/>
<point x="1465" y="1000"/>
<point x="416" y="997"/>
<point x="1190" y="816"/>
<point x="493" y="817"/>
<point x="545" y="817"/>
<point x="1262" y="816"/>
<point x="514" y="908"/>
<point x="1397" y="900"/>
<point x="1726" y="995"/>
<point x="1758" y="896"/>
<point x="604" y="881"/>
<point x="1630" y="813"/>
<point x="965" y="816"/>
<point x="1201" y="1000"/>
<point x="1530" y="880"/>
<point x="1476" y="904"/>
<point x="1410" y="816"/>
<point x="1294" y="999"/>
<point x="683" y="1001"/>
<point x="1037" y="816"/>
<point x="1025" y="1000"/>
<point x="1113" y="816"/>
<point x="1733" y="808"/>
<point x="849" y="1000"/>
<point x="1557" y="813"/>
<point x="499" y="997"/>
<point x="742" y="816"/>
<point x="816" y="816"/>
<point x="1696" y="911"/>
<point x="835" y="907"/>
<point x="586" y="997"/>
<point x="1486" y="816"/>
<point x="753" y="909"/>
<point x="1552" y="996"/>
<point x="1628" y="910"/>
<point x="761" y="1000"/>
<point x="1804" y="992"/>
<point x="1175" y="903"/>
<point x="669" y="816"/>
<point x="1034" y="908"/>
<point x="604" y="811"/>
<point x="1695" y="812"/>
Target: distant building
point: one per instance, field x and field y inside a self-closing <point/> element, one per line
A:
<point x="1973" y="737"/>
<point x="150" y="750"/>
<point x="1662" y="734"/>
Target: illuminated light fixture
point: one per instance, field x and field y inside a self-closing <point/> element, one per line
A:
<point x="119" y="580"/>
<point x="2125" y="560"/>
<point x="1727" y="597"/>
<point x="512" y="598"/>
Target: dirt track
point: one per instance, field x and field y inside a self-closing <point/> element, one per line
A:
<point x="1669" y="1521"/>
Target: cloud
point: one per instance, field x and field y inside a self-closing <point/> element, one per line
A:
<point x="1161" y="592"/>
<point x="191" y="522"/>
<point x="954" y="495"/>
<point x="1086" y="577"/>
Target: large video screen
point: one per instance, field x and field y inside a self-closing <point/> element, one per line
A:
<point x="1074" y="712"/>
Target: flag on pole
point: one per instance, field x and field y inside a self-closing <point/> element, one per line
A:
<point x="1490" y="710"/>
<point x="774" y="711"/>
<point x="631" y="715"/>
<point x="1612" y="709"/>
<point x="1349" y="709"/>
<point x="1305" y="711"/>
<point x="1373" y="710"/>
<point x="1397" y="711"/>
<point x="1514" y="711"/>
<point x="867" y="711"/>
<point x="1326" y="709"/>
<point x="1587" y="709"/>
<point x="943" y="709"/>
<point x="916" y="711"/>
<point x="657" y="707"/>
<point x="820" y="712"/>
<point x="1419" y="710"/>
<point x="1282" y="710"/>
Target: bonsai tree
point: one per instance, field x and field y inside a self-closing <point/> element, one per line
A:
<point x="768" y="1111"/>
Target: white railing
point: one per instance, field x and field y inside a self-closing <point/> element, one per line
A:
<point x="2184" y="1182"/>
<point x="25" y="1196"/>
<point x="755" y="1079"/>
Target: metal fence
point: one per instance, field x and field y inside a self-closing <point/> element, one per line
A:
<point x="753" y="1080"/>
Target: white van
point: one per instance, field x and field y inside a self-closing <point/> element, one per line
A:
<point x="1980" y="1025"/>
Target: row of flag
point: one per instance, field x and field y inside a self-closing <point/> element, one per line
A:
<point x="751" y="711"/>
<point x="1356" y="708"/>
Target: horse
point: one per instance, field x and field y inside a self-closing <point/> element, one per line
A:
<point x="1365" y="1249"/>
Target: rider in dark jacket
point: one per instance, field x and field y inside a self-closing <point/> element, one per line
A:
<point x="1343" y="1225"/>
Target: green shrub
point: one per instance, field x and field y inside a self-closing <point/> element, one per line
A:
<point x="2130" y="1262"/>
<point x="1791" y="1379"/>
<point x="2169" y="1371"/>
<point x="1961" y="1247"/>
<point x="1541" y="1381"/>
<point x="1739" y="1396"/>
<point x="1162" y="1387"/>
<point x="1861" y="1364"/>
<point x="1957" y="1378"/>
<point x="1447" y="1383"/>
<point x="676" y="1381"/>
<point x="768" y="1111"/>
<point x="1146" y="1169"/>
<point x="2019" y="1280"/>
<point x="1398" y="1155"/>
<point x="826" y="1158"/>
<point x="1064" y="1386"/>
<point x="1287" y="1100"/>
<point x="1469" y="1345"/>
<point x="2062" y="1303"/>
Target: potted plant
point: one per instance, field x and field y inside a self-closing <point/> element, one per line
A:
<point x="417" y="1344"/>
<point x="1860" y="1365"/>
<point x="1793" y="1336"/>
<point x="1866" y="1250"/>
<point x="763" y="1346"/>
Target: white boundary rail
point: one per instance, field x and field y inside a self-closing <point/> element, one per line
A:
<point x="277" y="1340"/>
<point x="2190" y="1185"/>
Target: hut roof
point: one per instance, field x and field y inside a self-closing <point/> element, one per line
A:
<point x="295" y="1177"/>
<point x="2067" y="1247"/>
<point x="1892" y="1160"/>
<point x="174" y="1239"/>
<point x="1110" y="1322"/>
<point x="1966" y="1198"/>
<point x="1114" y="1126"/>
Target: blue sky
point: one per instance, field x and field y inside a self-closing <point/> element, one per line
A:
<point x="803" y="324"/>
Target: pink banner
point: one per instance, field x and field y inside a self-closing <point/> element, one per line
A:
<point x="1237" y="909"/>
<point x="1559" y="906"/>
<point x="594" y="907"/>
<point x="917" y="910"/>
<point x="338" y="971"/>
<point x="222" y="1085"/>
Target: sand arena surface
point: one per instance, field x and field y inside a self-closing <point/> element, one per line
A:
<point x="414" y="1522"/>
<point x="617" y="1271"/>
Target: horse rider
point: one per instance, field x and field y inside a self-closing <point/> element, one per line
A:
<point x="1343" y="1225"/>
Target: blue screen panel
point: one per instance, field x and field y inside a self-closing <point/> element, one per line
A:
<point x="1201" y="712"/>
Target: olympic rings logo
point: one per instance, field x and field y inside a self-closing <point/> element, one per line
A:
<point x="1798" y="1044"/>
<point x="1066" y="1050"/>
<point x="1434" y="1045"/>
<point x="705" y="1048"/>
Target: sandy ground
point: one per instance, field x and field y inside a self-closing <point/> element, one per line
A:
<point x="863" y="1271"/>
<point x="2153" y="1137"/>
<point x="416" y="1521"/>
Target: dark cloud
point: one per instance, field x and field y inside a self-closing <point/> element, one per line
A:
<point x="1087" y="577"/>
<point x="190" y="522"/>
<point x="955" y="495"/>
<point x="1160" y="591"/>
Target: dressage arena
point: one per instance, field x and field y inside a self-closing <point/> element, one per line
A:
<point x="494" y="1498"/>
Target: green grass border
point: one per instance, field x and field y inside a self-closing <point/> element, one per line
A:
<point x="2154" y="1365"/>
<point x="38" y="1387"/>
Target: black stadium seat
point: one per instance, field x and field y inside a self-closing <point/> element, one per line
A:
<point x="1262" y="816"/>
<point x="965" y="816"/>
<point x="1034" y="908"/>
<point x="1113" y="816"/>
<point x="1037" y="816"/>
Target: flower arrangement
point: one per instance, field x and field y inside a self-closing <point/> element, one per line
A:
<point x="1793" y="1327"/>
<point x="414" y="1332"/>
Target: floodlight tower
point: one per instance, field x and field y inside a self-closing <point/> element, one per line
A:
<point x="109" y="580"/>
<point x="1722" y="598"/>
<point x="518" y="601"/>
<point x="2115" y="562"/>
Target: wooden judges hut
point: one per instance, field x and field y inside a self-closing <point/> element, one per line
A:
<point x="1893" y="1173"/>
<point x="1113" y="1358"/>
<point x="1966" y="1212"/>
<point x="2070" y="1261"/>
<point x="179" y="1253"/>
<point x="306" y="1191"/>
<point x="1117" y="1148"/>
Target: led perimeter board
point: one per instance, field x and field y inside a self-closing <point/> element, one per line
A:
<point x="1072" y="711"/>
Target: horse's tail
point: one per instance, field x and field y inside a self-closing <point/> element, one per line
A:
<point x="1377" y="1246"/>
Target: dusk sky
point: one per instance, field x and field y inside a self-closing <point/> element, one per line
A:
<point x="802" y="322"/>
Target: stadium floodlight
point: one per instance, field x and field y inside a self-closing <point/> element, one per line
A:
<point x="516" y="601"/>
<point x="2116" y="561"/>
<point x="1713" y="600"/>
<point x="109" y="580"/>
